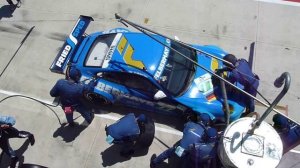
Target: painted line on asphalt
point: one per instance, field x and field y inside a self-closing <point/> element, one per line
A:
<point x="9" y="93"/>
<point x="287" y="2"/>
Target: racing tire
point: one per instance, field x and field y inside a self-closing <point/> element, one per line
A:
<point x="97" y="99"/>
<point x="147" y="137"/>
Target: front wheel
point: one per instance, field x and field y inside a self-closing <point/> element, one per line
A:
<point x="97" y="99"/>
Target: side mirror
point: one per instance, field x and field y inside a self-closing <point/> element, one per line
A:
<point x="159" y="95"/>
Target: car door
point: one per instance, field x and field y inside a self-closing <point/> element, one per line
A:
<point x="130" y="89"/>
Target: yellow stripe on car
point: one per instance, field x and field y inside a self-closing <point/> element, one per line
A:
<point x="129" y="60"/>
<point x="122" y="45"/>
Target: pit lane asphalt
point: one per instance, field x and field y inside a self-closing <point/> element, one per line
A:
<point x="232" y="25"/>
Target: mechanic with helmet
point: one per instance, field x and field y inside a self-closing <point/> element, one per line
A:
<point x="71" y="92"/>
<point x="288" y="131"/>
<point x="240" y="71"/>
<point x="131" y="132"/>
<point x="193" y="134"/>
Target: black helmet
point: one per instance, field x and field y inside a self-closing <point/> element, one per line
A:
<point x="74" y="74"/>
<point x="230" y="58"/>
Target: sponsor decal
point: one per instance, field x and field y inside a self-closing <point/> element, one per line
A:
<point x="204" y="83"/>
<point x="119" y="95"/>
<point x="64" y="54"/>
<point x="111" y="50"/>
<point x="76" y="31"/>
<point x="163" y="61"/>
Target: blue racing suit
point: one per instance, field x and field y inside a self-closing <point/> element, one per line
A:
<point x="192" y="133"/>
<point x="71" y="94"/>
<point x="129" y="131"/>
<point x="243" y="74"/>
<point x="124" y="130"/>
<point x="288" y="131"/>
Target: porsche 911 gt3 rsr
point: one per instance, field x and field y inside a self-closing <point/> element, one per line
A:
<point x="137" y="71"/>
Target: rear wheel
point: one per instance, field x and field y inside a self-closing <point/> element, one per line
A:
<point x="97" y="99"/>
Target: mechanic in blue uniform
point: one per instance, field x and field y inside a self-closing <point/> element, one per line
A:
<point x="242" y="73"/>
<point x="8" y="131"/>
<point x="131" y="131"/>
<point x="204" y="154"/>
<point x="71" y="93"/>
<point x="288" y="131"/>
<point x="193" y="133"/>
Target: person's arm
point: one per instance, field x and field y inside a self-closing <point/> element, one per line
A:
<point x="90" y="86"/>
<point x="218" y="71"/>
<point x="54" y="92"/>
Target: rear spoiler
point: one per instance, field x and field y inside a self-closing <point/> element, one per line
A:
<point x="71" y="44"/>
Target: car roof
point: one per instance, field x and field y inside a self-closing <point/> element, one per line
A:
<point x="139" y="51"/>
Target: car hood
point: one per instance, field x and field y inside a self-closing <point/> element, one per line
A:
<point x="138" y="50"/>
<point x="201" y="95"/>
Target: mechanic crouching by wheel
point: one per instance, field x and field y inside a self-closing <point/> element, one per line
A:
<point x="194" y="135"/>
<point x="131" y="132"/>
<point x="71" y="96"/>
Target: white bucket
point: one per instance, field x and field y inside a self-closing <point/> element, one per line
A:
<point x="238" y="148"/>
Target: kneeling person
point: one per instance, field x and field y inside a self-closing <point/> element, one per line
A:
<point x="131" y="131"/>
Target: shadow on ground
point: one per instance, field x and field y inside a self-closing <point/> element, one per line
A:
<point x="69" y="133"/>
<point x="6" y="11"/>
<point x="5" y="160"/>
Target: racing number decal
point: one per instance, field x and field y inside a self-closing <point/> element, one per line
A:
<point x="127" y="56"/>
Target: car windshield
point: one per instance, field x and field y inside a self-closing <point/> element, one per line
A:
<point x="98" y="50"/>
<point x="179" y="71"/>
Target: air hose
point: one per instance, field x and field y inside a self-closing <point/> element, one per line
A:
<point x="39" y="101"/>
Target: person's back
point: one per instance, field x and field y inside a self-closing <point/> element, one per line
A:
<point x="68" y="91"/>
<point x="71" y="94"/>
<point x="240" y="71"/>
<point x="131" y="132"/>
<point x="192" y="133"/>
<point x="204" y="154"/>
<point x="125" y="129"/>
<point x="243" y="74"/>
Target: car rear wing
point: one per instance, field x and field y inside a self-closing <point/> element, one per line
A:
<point x="71" y="44"/>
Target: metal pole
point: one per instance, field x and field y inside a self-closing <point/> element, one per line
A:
<point x="286" y="78"/>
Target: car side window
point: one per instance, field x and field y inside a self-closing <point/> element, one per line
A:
<point x="131" y="80"/>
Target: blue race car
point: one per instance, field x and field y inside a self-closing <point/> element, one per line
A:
<point x="135" y="70"/>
